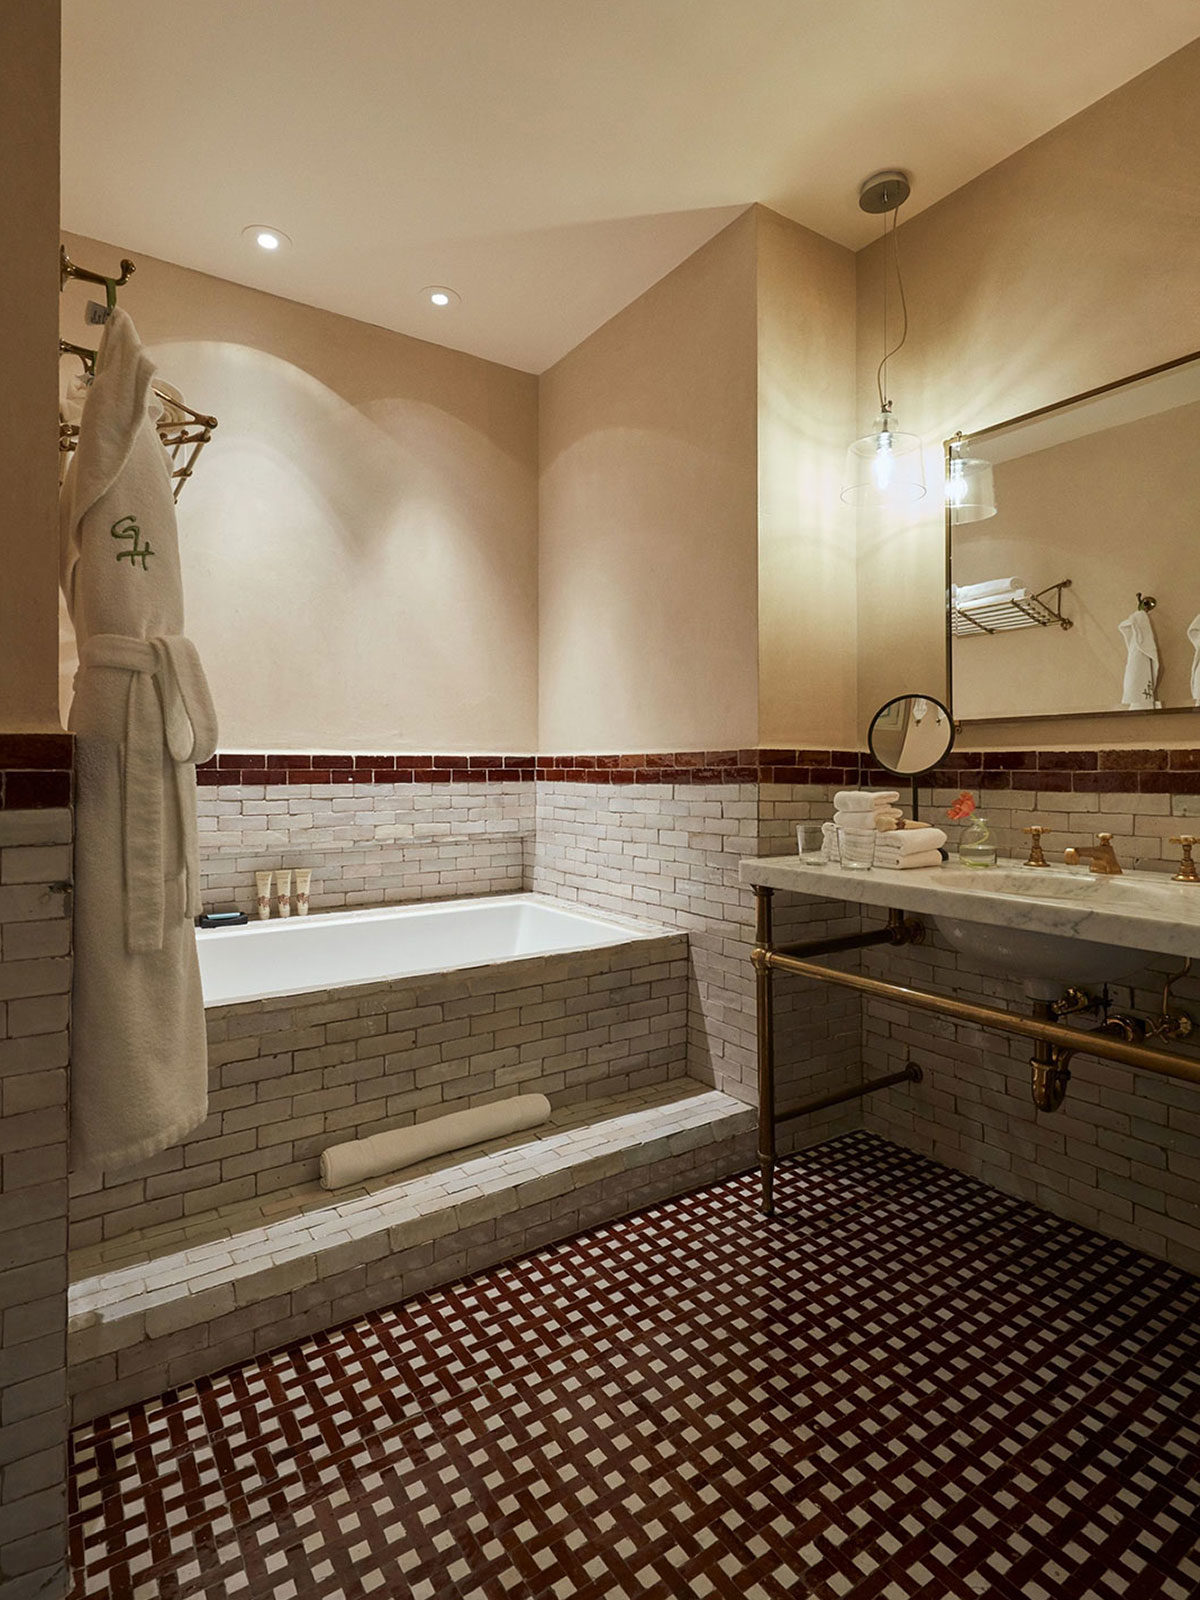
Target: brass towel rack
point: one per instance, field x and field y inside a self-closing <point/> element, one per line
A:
<point x="183" y="430"/>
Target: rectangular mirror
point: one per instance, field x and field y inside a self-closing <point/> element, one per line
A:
<point x="1073" y="553"/>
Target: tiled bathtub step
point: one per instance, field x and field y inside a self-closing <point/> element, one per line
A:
<point x="136" y="1329"/>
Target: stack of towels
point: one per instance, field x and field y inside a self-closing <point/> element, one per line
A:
<point x="903" y="843"/>
<point x="914" y="844"/>
<point x="992" y="592"/>
<point x="864" y="809"/>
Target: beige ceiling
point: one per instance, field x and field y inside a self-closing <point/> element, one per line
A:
<point x="548" y="159"/>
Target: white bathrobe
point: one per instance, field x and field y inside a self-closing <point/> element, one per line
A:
<point x="1141" y="663"/>
<point x="142" y="717"/>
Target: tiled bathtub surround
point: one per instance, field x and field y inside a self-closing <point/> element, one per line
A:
<point x="155" y="1309"/>
<point x="373" y="841"/>
<point x="289" y="1077"/>
<point x="35" y="979"/>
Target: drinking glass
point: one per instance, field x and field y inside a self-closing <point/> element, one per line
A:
<point x="810" y="841"/>
<point x="857" y="848"/>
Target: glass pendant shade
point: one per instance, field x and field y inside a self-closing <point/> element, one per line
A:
<point x="885" y="467"/>
<point x="970" y="488"/>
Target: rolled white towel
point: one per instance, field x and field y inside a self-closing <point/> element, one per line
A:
<point x="381" y="1153"/>
<point x="983" y="601"/>
<point x="923" y="858"/>
<point x="864" y="799"/>
<point x="964" y="593"/>
<point x="910" y="842"/>
<point x="883" y="818"/>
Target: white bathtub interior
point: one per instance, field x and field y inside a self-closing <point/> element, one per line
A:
<point x="333" y="950"/>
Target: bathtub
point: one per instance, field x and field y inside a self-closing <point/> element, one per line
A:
<point x="337" y="949"/>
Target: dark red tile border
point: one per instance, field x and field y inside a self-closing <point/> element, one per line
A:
<point x="1123" y="770"/>
<point x="35" y="771"/>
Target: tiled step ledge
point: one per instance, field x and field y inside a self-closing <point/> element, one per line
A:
<point x="246" y="1284"/>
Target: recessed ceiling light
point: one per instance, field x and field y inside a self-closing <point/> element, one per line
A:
<point x="438" y="295"/>
<point x="269" y="239"/>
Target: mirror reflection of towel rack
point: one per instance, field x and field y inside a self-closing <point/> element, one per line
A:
<point x="183" y="430"/>
<point x="1008" y="611"/>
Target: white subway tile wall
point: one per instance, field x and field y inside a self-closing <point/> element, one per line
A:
<point x="1141" y="824"/>
<point x="289" y="1077"/>
<point x="35" y="980"/>
<point x="367" y="844"/>
<point x="671" y="851"/>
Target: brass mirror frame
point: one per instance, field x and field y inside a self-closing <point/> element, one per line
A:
<point x="975" y="434"/>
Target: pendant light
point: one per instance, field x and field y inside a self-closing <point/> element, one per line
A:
<point x="970" y="489"/>
<point x="886" y="466"/>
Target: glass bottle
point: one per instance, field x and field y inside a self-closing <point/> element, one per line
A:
<point x="977" y="848"/>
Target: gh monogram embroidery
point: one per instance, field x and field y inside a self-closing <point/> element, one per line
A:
<point x="127" y="528"/>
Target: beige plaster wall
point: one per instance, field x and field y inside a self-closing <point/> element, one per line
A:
<point x="360" y="539"/>
<point x="648" y="559"/>
<point x="1071" y="264"/>
<point x="29" y="43"/>
<point x="806" y="536"/>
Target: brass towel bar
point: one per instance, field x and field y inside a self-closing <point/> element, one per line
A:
<point x="184" y="431"/>
<point x="1056" y="1041"/>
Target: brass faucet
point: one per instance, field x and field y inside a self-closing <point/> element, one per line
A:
<point x="1102" y="856"/>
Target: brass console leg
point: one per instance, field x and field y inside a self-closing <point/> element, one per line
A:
<point x="764" y="1001"/>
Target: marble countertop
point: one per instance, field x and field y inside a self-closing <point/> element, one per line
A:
<point x="1138" y="910"/>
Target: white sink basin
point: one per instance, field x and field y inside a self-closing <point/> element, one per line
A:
<point x="1049" y="957"/>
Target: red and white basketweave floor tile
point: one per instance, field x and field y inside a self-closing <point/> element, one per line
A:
<point x="905" y="1387"/>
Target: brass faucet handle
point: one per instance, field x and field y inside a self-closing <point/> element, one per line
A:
<point x="1037" y="857"/>
<point x="1105" y="838"/>
<point x="1187" y="867"/>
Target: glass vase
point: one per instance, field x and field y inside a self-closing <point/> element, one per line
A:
<point x="976" y="848"/>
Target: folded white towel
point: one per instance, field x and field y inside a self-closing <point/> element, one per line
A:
<point x="883" y="818"/>
<point x="966" y="592"/>
<point x="923" y="858"/>
<point x="864" y="799"/>
<point x="910" y="841"/>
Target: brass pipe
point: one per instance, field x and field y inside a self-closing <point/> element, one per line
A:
<point x="764" y="1008"/>
<point x="898" y="930"/>
<point x="1129" y="1055"/>
<point x="911" y="1074"/>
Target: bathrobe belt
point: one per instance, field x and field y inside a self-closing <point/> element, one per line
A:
<point x="168" y="709"/>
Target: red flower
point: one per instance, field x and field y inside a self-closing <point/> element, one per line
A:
<point x="962" y="807"/>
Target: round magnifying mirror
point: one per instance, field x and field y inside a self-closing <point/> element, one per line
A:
<point x="911" y="734"/>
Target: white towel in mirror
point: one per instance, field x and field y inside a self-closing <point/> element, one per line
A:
<point x="1193" y="634"/>
<point x="1141" y="664"/>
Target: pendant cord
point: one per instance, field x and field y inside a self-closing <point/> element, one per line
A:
<point x="881" y="370"/>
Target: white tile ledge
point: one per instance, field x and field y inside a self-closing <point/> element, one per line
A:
<point x="1141" y="910"/>
<point x="328" y="1232"/>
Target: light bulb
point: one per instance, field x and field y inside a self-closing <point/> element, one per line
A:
<point x="883" y="464"/>
<point x="272" y="240"/>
